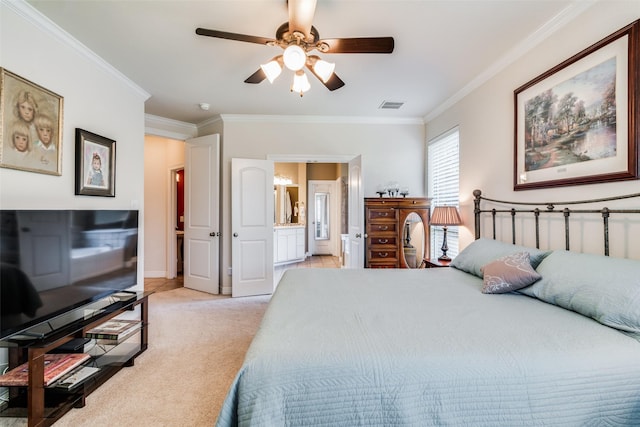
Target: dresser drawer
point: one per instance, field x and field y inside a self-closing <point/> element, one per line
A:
<point x="382" y="265"/>
<point x="382" y="214"/>
<point x="386" y="227"/>
<point x="382" y="240"/>
<point x="390" y="255"/>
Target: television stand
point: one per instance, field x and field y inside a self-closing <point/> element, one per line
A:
<point x="42" y="404"/>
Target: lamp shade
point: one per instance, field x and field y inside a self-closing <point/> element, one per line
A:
<point x="300" y="83"/>
<point x="294" y="57"/>
<point x="272" y="69"/>
<point x="324" y="69"/>
<point x="445" y="215"/>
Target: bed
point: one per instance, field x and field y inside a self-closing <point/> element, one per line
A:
<point x="468" y="345"/>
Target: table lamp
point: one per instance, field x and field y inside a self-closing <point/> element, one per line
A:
<point x="445" y="216"/>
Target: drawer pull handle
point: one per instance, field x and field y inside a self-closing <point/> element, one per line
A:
<point x="383" y="241"/>
<point x="383" y="227"/>
<point x="384" y="214"/>
<point x="383" y="255"/>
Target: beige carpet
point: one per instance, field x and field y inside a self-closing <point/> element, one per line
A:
<point x="197" y="343"/>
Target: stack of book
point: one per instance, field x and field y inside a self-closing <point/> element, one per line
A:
<point x="114" y="331"/>
<point x="55" y="366"/>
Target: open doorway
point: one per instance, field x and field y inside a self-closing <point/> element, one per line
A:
<point x="179" y="218"/>
<point x="175" y="232"/>
<point x="302" y="180"/>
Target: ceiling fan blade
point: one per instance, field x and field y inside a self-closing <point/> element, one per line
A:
<point x="359" y="45"/>
<point x="301" y="16"/>
<point x="256" y="77"/>
<point x="233" y="36"/>
<point x="333" y="83"/>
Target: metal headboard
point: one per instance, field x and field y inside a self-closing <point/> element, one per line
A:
<point x="549" y="208"/>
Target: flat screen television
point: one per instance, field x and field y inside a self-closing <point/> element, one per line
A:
<point x="55" y="261"/>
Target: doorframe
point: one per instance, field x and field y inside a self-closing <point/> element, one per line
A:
<point x="172" y="206"/>
<point x="312" y="158"/>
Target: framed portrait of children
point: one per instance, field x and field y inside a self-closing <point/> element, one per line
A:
<point x="30" y="126"/>
<point x="95" y="164"/>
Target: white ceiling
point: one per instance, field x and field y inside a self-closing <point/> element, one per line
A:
<point x="442" y="49"/>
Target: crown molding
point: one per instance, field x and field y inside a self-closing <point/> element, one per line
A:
<point x="209" y="122"/>
<point x="32" y="15"/>
<point x="565" y="16"/>
<point x="169" y="128"/>
<point x="255" y="118"/>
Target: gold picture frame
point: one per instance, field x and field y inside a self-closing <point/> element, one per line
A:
<point x="30" y="126"/>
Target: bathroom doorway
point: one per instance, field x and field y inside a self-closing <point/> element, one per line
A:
<point x="324" y="213"/>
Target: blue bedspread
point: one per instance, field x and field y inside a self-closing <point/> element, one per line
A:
<point x="426" y="347"/>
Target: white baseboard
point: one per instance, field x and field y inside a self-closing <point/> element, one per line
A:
<point x="154" y="274"/>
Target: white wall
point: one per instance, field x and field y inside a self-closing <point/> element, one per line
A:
<point x="96" y="98"/>
<point x="485" y="117"/>
<point x="391" y="150"/>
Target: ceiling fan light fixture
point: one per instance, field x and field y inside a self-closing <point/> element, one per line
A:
<point x="300" y="83"/>
<point x="324" y="69"/>
<point x="272" y="70"/>
<point x="294" y="57"/>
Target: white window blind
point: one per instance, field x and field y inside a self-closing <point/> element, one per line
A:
<point x="443" y="165"/>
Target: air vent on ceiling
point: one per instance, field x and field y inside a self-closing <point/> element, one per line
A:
<point x="390" y="105"/>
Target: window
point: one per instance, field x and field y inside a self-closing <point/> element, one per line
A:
<point x="443" y="166"/>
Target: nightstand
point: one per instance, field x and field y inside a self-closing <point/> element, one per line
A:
<point x="434" y="263"/>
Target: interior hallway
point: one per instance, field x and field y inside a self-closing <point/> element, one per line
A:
<point x="160" y="284"/>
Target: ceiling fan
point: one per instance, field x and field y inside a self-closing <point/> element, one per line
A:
<point x="298" y="37"/>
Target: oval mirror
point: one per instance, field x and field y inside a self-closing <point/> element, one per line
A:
<point x="413" y="240"/>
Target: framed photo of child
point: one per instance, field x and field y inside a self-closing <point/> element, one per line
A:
<point x="30" y="126"/>
<point x="95" y="164"/>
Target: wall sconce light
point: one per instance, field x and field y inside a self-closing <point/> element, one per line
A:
<point x="281" y="180"/>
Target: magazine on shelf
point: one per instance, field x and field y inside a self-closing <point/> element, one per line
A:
<point x="77" y="377"/>
<point x="122" y="337"/>
<point x="55" y="366"/>
<point x="113" y="329"/>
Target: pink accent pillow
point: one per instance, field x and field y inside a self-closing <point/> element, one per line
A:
<point x="509" y="273"/>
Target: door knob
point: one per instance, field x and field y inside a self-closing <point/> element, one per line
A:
<point x="235" y="234"/>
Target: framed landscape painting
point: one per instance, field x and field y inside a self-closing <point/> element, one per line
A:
<point x="578" y="122"/>
<point x="30" y="126"/>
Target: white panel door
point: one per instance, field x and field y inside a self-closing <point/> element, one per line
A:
<point x="356" y="244"/>
<point x="323" y="213"/>
<point x="201" y="211"/>
<point x="252" y="227"/>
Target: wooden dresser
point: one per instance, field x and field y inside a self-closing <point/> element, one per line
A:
<point x="385" y="231"/>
